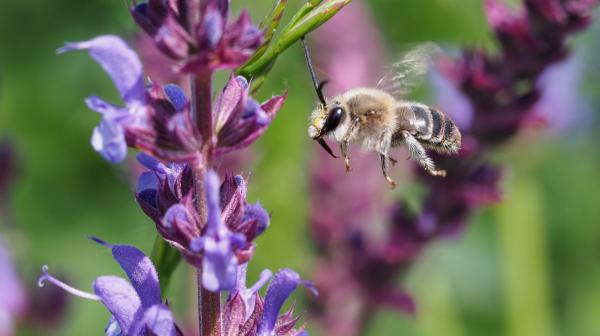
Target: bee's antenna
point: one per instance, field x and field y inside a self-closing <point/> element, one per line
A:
<point x="318" y="86"/>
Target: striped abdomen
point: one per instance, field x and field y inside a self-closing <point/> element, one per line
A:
<point x="430" y="126"/>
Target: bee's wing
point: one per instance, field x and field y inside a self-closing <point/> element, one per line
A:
<point x="403" y="76"/>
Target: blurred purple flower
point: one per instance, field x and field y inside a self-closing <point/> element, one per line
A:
<point x="490" y="96"/>
<point x="136" y="305"/>
<point x="13" y="297"/>
<point x="562" y="105"/>
<point x="200" y="43"/>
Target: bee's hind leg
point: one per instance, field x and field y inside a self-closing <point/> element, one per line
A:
<point x="418" y="153"/>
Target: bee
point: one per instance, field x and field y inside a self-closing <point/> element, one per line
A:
<point x="375" y="119"/>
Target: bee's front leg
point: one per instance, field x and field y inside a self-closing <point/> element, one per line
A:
<point x="344" y="150"/>
<point x="344" y="143"/>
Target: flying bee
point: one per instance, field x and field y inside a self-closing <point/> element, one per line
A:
<point x="375" y="119"/>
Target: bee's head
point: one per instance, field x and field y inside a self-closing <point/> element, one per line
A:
<point x="325" y="119"/>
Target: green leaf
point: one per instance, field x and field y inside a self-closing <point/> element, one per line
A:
<point x="165" y="258"/>
<point x="269" y="25"/>
<point x="309" y="17"/>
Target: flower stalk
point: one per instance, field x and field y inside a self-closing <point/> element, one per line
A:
<point x="209" y="303"/>
<point x="209" y="309"/>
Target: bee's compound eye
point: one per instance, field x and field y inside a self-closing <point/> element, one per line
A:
<point x="333" y="119"/>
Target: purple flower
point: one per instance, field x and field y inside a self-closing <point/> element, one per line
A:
<point x="155" y="120"/>
<point x="219" y="264"/>
<point x="280" y="288"/>
<point x="13" y="298"/>
<point x="239" y="119"/>
<point x="124" y="68"/>
<point x="561" y="105"/>
<point x="204" y="42"/>
<point x="246" y="313"/>
<point x="220" y="244"/>
<point x="243" y="306"/>
<point x="166" y="23"/>
<point x="136" y="305"/>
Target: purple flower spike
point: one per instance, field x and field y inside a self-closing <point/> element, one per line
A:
<point x="280" y="288"/>
<point x="136" y="308"/>
<point x="199" y="42"/>
<point x="219" y="267"/>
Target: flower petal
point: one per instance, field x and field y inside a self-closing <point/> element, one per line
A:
<point x="119" y="61"/>
<point x="147" y="181"/>
<point x="215" y="227"/>
<point x="273" y="105"/>
<point x="255" y="220"/>
<point x="211" y="28"/>
<point x="158" y="320"/>
<point x="219" y="267"/>
<point x="228" y="100"/>
<point x="280" y="288"/>
<point x="121" y="300"/>
<point x="112" y="328"/>
<point x="176" y="96"/>
<point x="248" y="295"/>
<point x="141" y="273"/>
<point x="152" y="163"/>
<point x="108" y="139"/>
<point x="99" y="105"/>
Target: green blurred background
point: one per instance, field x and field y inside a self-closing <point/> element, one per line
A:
<point x="529" y="266"/>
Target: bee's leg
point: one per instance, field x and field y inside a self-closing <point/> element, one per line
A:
<point x="344" y="150"/>
<point x="345" y="141"/>
<point x="383" y="146"/>
<point x="418" y="153"/>
<point x="384" y="168"/>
